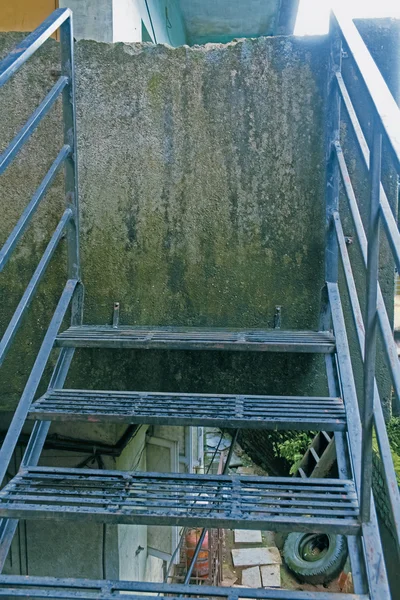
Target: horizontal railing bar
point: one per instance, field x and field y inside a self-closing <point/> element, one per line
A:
<point x="30" y="210"/>
<point x="26" y="299"/>
<point x="113" y="586"/>
<point x="380" y="427"/>
<point x="388" y="219"/>
<point x="352" y="200"/>
<point x="385" y="105"/>
<point x="21" y="412"/>
<point x="386" y="330"/>
<point x="17" y="57"/>
<point x="26" y="130"/>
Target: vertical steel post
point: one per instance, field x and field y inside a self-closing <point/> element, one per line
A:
<point x="203" y="533"/>
<point x="332" y="169"/>
<point x="71" y="164"/>
<point x="371" y="317"/>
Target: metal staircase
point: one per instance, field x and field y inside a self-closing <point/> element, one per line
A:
<point x="343" y="505"/>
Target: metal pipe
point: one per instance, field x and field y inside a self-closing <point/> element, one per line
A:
<point x="29" y="293"/>
<point x="332" y="171"/>
<point x="370" y="326"/>
<point x="203" y="533"/>
<point x="30" y="210"/>
<point x="71" y="163"/>
<point x="26" y="130"/>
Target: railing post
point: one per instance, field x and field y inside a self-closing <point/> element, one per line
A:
<point x="71" y="164"/>
<point x="332" y="170"/>
<point x="371" y="318"/>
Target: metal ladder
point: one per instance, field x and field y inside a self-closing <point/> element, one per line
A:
<point x="343" y="505"/>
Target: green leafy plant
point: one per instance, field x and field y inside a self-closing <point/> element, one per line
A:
<point x="393" y="430"/>
<point x="294" y="448"/>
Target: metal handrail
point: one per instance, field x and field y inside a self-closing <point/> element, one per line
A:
<point x="72" y="295"/>
<point x="389" y="344"/>
<point x="19" y="418"/>
<point x="30" y="291"/>
<point x="32" y="123"/>
<point x="386" y="126"/>
<point x="17" y="57"/>
<point x="25" y="219"/>
<point x="389" y="222"/>
<point x="380" y="428"/>
<point x="67" y="157"/>
<point x="385" y="105"/>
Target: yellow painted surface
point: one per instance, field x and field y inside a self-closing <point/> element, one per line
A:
<point x="24" y="15"/>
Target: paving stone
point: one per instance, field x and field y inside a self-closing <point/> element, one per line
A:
<point x="250" y="470"/>
<point x="251" y="577"/>
<point x="228" y="581"/>
<point x="271" y="575"/>
<point x="249" y="557"/>
<point x="246" y="536"/>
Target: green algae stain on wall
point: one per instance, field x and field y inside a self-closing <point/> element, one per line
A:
<point x="202" y="199"/>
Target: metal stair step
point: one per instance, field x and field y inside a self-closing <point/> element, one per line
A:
<point x="217" y="410"/>
<point x="190" y="338"/>
<point x="224" y="501"/>
<point x="22" y="586"/>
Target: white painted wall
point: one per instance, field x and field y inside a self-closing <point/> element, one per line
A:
<point x="92" y="19"/>
<point x="127" y="22"/>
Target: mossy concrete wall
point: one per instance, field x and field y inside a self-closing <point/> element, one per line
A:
<point x="201" y="188"/>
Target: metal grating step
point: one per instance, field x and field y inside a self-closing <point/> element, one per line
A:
<point x="217" y="410"/>
<point x="18" y="586"/>
<point x="189" y="338"/>
<point x="274" y="503"/>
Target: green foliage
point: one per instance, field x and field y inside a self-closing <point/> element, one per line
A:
<point x="293" y="449"/>
<point x="393" y="430"/>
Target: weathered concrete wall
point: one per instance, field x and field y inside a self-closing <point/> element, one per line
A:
<point x="201" y="183"/>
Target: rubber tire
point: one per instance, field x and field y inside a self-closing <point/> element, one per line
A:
<point x="320" y="571"/>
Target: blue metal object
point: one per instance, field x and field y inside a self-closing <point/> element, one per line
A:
<point x="30" y="210"/>
<point x="17" y="57"/>
<point x="30" y="291"/>
<point x="26" y="131"/>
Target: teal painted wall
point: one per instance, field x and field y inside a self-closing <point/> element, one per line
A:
<point x="165" y="24"/>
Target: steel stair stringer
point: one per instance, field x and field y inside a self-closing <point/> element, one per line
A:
<point x="371" y="541"/>
<point x="34" y="448"/>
